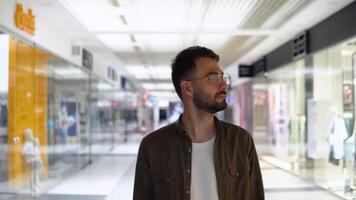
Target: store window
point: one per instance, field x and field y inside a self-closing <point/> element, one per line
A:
<point x="44" y="131"/>
<point x="68" y="127"/>
<point x="286" y="116"/>
<point x="4" y="86"/>
<point x="311" y="116"/>
<point x="105" y="116"/>
<point x="331" y="141"/>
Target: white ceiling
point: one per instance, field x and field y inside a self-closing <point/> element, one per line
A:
<point x="146" y="34"/>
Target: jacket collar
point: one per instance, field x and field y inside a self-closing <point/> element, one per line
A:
<point x="181" y="132"/>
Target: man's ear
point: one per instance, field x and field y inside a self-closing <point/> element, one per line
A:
<point x="186" y="88"/>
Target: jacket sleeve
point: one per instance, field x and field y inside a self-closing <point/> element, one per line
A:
<point x="143" y="189"/>
<point x="256" y="183"/>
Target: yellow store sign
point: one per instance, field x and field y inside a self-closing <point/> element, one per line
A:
<point x="25" y="21"/>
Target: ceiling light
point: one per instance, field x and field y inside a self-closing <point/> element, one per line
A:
<point x="115" y="3"/>
<point x="347" y="52"/>
<point x="123" y="20"/>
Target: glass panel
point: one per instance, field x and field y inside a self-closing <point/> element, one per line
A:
<point x="104" y="116"/>
<point x="311" y="117"/>
<point x="4" y="86"/>
<point x="22" y="124"/>
<point x="68" y="135"/>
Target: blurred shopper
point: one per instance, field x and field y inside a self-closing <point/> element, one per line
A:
<point x="198" y="157"/>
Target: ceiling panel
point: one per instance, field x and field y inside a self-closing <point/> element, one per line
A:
<point x="96" y="15"/>
<point x="147" y="34"/>
<point x="157" y="43"/>
<point x="209" y="40"/>
<point x="117" y="42"/>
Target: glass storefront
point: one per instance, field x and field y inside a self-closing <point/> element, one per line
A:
<point x="4" y="92"/>
<point x="67" y="117"/>
<point x="241" y="98"/>
<point x="106" y="125"/>
<point x="53" y="114"/>
<point x="311" y="116"/>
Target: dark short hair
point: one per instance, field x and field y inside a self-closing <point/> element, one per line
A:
<point x="184" y="64"/>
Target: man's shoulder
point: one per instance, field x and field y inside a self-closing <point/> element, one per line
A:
<point x="234" y="130"/>
<point x="160" y="135"/>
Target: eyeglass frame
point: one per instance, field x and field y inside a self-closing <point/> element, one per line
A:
<point x="216" y="80"/>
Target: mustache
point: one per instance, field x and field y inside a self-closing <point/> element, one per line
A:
<point x="221" y="93"/>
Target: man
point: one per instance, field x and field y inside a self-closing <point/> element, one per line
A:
<point x="198" y="157"/>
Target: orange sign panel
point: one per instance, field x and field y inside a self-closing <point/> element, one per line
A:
<point x="27" y="106"/>
<point x="25" y="21"/>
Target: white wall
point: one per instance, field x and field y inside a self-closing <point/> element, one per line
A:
<point x="46" y="34"/>
<point x="101" y="68"/>
<point x="51" y="38"/>
<point x="4" y="62"/>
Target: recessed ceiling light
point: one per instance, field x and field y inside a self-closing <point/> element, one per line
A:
<point x="132" y="38"/>
<point x="115" y="3"/>
<point x="123" y="20"/>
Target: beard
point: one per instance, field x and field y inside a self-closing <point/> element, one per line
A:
<point x="204" y="102"/>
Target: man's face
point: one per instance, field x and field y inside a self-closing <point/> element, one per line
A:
<point x="208" y="95"/>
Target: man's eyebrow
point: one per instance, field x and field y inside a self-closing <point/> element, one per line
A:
<point x="211" y="73"/>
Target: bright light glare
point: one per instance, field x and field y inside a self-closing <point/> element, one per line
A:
<point x="103" y="86"/>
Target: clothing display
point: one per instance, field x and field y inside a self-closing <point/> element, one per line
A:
<point x="338" y="134"/>
<point x="350" y="167"/>
<point x="348" y="124"/>
<point x="278" y="114"/>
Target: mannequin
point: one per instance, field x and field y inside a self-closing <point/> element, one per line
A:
<point x="28" y="152"/>
<point x="350" y="159"/>
<point x="63" y="124"/>
<point x="38" y="162"/>
<point x="338" y="133"/>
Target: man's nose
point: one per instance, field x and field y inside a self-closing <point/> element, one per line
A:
<point x="223" y="84"/>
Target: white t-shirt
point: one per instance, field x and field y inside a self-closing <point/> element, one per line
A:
<point x="203" y="183"/>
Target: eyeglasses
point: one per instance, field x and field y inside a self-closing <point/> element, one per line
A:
<point x="215" y="78"/>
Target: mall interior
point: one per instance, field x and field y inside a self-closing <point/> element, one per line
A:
<point x="83" y="81"/>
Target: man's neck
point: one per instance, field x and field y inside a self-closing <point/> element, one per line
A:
<point x="199" y="125"/>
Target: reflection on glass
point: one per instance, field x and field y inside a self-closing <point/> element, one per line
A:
<point x="311" y="117"/>
<point x="4" y="73"/>
<point x="105" y="116"/>
<point x="68" y="89"/>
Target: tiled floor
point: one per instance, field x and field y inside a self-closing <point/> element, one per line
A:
<point x="111" y="177"/>
<point x="280" y="185"/>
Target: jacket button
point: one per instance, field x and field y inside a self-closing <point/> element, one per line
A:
<point x="168" y="180"/>
<point x="187" y="191"/>
<point x="189" y="150"/>
<point x="188" y="170"/>
<point x="237" y="174"/>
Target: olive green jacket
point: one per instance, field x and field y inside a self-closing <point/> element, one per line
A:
<point x="163" y="168"/>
